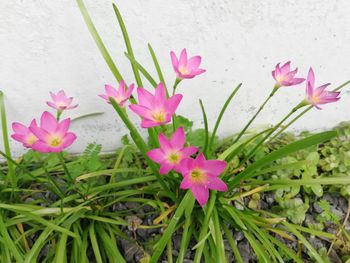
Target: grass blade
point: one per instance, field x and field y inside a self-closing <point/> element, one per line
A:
<point x="142" y="70"/>
<point x="11" y="171"/>
<point x="284" y="151"/>
<point x="127" y="44"/>
<point x="206" y="139"/>
<point x="9" y="242"/>
<point x="98" y="40"/>
<point x="158" y="69"/>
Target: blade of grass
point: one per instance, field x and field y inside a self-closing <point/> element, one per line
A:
<point x="156" y="65"/>
<point x="61" y="255"/>
<point x="304" y="241"/>
<point x="219" y="242"/>
<point x="109" y="246"/>
<point x="212" y="138"/>
<point x="237" y="255"/>
<point x="94" y="243"/>
<point x="171" y="227"/>
<point x="142" y="70"/>
<point x="284" y="151"/>
<point x="206" y="139"/>
<point x="11" y="171"/>
<point x="98" y="40"/>
<point x="127" y="44"/>
<point x="9" y="242"/>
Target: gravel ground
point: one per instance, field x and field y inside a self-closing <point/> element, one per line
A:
<point x="133" y="250"/>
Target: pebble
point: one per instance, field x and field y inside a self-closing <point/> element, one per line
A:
<point x="238" y="236"/>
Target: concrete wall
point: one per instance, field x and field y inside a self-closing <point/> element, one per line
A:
<point x="45" y="46"/>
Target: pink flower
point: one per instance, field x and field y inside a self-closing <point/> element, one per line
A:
<point x="320" y="95"/>
<point x="155" y="109"/>
<point x="171" y="152"/>
<point x="284" y="76"/>
<point x="200" y="175"/>
<point x="53" y="136"/>
<point x="61" y="101"/>
<point x="120" y="96"/>
<point x="23" y="133"/>
<point x="186" y="68"/>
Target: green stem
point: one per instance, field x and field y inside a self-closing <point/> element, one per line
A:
<point x="64" y="166"/>
<point x="170" y="252"/>
<point x="212" y="138"/>
<point x="252" y="152"/>
<point x="220" y="249"/>
<point x="290" y="123"/>
<point x="58" y="115"/>
<point x="256" y="114"/>
<point x="11" y="176"/>
<point x="140" y="143"/>
<point x="204" y="228"/>
<point x="185" y="234"/>
<point x="177" y="81"/>
<point x="302" y="113"/>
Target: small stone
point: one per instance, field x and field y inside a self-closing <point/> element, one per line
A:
<point x="238" y="236"/>
<point x="332" y="199"/>
<point x="317" y="208"/>
<point x="118" y="207"/>
<point x="343" y="204"/>
<point x="245" y="251"/>
<point x="132" y="205"/>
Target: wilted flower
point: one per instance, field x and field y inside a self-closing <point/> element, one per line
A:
<point x="318" y="96"/>
<point x="200" y="175"/>
<point x="60" y="101"/>
<point x="171" y="152"/>
<point x="186" y="68"/>
<point x="155" y="109"/>
<point x="120" y="96"/>
<point x="23" y="133"/>
<point x="284" y="76"/>
<point x="53" y="136"/>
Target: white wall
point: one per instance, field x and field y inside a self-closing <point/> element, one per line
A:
<point x="45" y="46"/>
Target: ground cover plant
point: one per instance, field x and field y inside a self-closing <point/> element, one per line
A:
<point x="180" y="194"/>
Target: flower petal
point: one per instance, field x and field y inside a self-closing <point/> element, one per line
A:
<point x="217" y="184"/>
<point x="48" y="122"/>
<point x="177" y="140"/>
<point x="156" y="155"/>
<point x="200" y="193"/>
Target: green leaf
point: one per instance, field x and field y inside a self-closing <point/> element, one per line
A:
<point x="282" y="152"/>
<point x="98" y="40"/>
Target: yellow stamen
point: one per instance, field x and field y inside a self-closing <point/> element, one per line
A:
<point x="55" y="141"/>
<point x="174" y="158"/>
<point x="159" y="116"/>
<point x="183" y="70"/>
<point x="197" y="175"/>
<point x="31" y="139"/>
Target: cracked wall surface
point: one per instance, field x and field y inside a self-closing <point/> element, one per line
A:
<point x="45" y="46"/>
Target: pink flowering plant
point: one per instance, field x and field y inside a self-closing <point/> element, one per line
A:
<point x="196" y="186"/>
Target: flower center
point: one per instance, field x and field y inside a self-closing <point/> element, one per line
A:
<point x="174" y="158"/>
<point x="55" y="141"/>
<point x="159" y="116"/>
<point x="61" y="105"/>
<point x="183" y="70"/>
<point x="281" y="78"/>
<point x="197" y="175"/>
<point x="31" y="139"/>
<point x="315" y="99"/>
